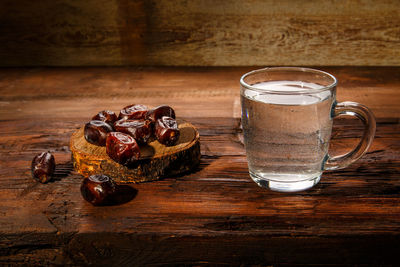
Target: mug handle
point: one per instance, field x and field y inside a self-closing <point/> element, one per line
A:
<point x="368" y="119"/>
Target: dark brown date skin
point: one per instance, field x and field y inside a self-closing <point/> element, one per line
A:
<point x="96" y="132"/>
<point x="122" y="148"/>
<point x="43" y="166"/>
<point x="107" y="116"/>
<point x="141" y="130"/>
<point x="158" y="112"/>
<point x="166" y="131"/>
<point x="133" y="112"/>
<point x="98" y="189"/>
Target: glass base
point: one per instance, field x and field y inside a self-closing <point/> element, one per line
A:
<point x="285" y="186"/>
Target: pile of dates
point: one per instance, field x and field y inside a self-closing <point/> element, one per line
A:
<point x="135" y="126"/>
<point x="122" y="135"/>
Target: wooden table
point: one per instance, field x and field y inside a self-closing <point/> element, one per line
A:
<point x="214" y="215"/>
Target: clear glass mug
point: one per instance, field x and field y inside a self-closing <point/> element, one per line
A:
<point x="287" y="115"/>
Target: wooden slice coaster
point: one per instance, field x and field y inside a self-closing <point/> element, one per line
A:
<point x="156" y="160"/>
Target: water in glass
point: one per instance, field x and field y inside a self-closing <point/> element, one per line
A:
<point x="286" y="136"/>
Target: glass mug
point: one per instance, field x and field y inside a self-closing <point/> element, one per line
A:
<point x="287" y="115"/>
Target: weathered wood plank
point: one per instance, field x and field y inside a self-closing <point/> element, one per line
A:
<point x="214" y="215"/>
<point x="23" y="90"/>
<point x="199" y="33"/>
<point x="212" y="189"/>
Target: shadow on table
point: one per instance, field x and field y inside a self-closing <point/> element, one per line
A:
<point x="123" y="194"/>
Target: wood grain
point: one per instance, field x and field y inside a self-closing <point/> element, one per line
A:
<point x="214" y="215"/>
<point x="199" y="33"/>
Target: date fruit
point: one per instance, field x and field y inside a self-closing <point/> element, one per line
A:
<point x="122" y="148"/>
<point x="158" y="112"/>
<point x="43" y="166"/>
<point x="98" y="189"/>
<point x="166" y="131"/>
<point x="96" y="132"/>
<point x="133" y="112"/>
<point x="107" y="116"/>
<point x="141" y="130"/>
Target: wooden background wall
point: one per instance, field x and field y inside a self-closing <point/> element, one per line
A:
<point x="199" y="32"/>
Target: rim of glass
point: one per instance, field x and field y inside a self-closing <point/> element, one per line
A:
<point x="296" y="92"/>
